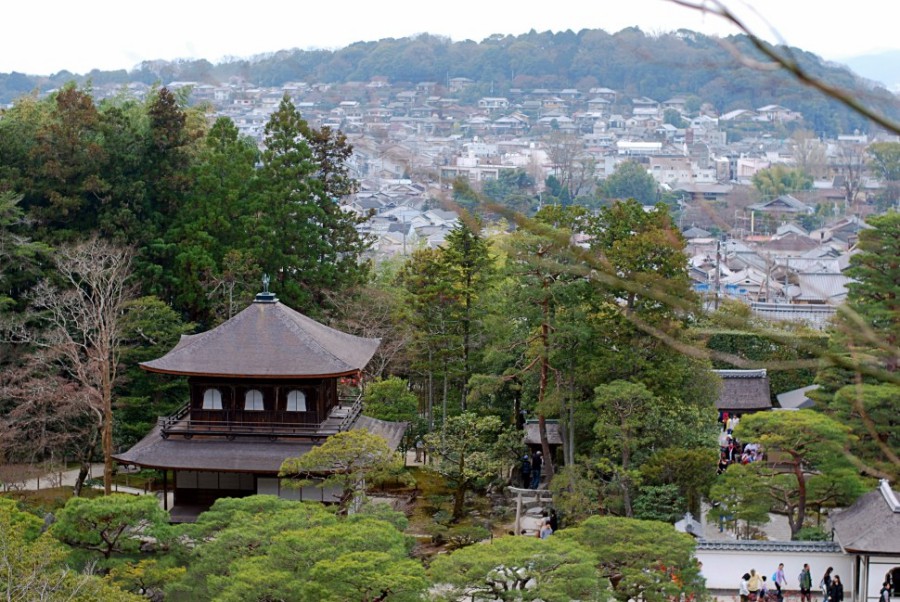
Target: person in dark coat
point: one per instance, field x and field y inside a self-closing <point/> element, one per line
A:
<point x="554" y="520"/>
<point x="537" y="463"/>
<point x="825" y="584"/>
<point x="836" y="590"/>
<point x="525" y="469"/>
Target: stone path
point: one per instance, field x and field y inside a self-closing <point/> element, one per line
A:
<point x="777" y="529"/>
<point x="67" y="479"/>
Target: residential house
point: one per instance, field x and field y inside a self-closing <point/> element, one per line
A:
<point x="784" y="204"/>
<point x="777" y="113"/>
<point x="493" y="103"/>
<point x="671" y="170"/>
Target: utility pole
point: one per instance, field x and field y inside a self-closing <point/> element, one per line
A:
<point x="716" y="302"/>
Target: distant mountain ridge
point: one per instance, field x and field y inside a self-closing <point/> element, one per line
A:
<point x="882" y="67"/>
<point x="629" y="61"/>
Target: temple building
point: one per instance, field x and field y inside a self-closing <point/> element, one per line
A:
<point x="264" y="386"/>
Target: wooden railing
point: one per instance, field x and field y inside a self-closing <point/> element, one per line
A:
<point x="341" y="418"/>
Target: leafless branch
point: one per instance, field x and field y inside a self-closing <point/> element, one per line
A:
<point x="782" y="58"/>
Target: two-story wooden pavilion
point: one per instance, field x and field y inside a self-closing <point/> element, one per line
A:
<point x="263" y="388"/>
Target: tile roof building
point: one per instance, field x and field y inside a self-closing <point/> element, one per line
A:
<point x="744" y="391"/>
<point x="869" y="531"/>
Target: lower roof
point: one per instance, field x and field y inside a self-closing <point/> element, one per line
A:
<point x="872" y="524"/>
<point x="254" y="455"/>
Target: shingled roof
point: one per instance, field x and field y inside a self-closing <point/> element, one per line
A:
<point x="872" y="524"/>
<point x="256" y="455"/>
<point x="744" y="390"/>
<point x="271" y="340"/>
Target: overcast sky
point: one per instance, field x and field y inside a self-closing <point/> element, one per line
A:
<point x="52" y="35"/>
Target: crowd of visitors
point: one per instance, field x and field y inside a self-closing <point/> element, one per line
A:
<point x="755" y="588"/>
<point x="731" y="450"/>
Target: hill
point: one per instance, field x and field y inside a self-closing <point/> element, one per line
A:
<point x="883" y="67"/>
<point x="629" y="61"/>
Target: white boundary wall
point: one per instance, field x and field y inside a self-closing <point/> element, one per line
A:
<point x="724" y="562"/>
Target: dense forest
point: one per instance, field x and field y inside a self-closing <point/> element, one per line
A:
<point x="630" y="61"/>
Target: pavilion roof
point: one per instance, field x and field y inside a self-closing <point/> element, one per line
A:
<point x="253" y="454"/>
<point x="872" y="524"/>
<point x="269" y="340"/>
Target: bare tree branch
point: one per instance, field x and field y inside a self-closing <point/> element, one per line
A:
<point x="781" y="57"/>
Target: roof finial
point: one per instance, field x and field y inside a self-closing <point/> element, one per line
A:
<point x="265" y="296"/>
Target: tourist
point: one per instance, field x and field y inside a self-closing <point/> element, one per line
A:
<point x="835" y="590"/>
<point x="763" y="588"/>
<point x="754" y="585"/>
<point x="723" y="464"/>
<point x="744" y="589"/>
<point x="779" y="580"/>
<point x="825" y="583"/>
<point x="805" y="580"/>
<point x="525" y="469"/>
<point x="885" y="594"/>
<point x="537" y="463"/>
<point x="554" y="520"/>
<point x="546" y="530"/>
<point x="420" y="451"/>
<point x="723" y="440"/>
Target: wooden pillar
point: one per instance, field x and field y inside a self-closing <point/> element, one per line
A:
<point x="166" y="489"/>
<point x="518" y="513"/>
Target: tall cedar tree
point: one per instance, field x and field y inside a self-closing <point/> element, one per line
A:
<point x="470" y="267"/>
<point x="68" y="159"/>
<point x="167" y="161"/>
<point x="302" y="235"/>
<point x="431" y="301"/>
<point x="211" y="226"/>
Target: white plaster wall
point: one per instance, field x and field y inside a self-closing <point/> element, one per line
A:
<point x="723" y="568"/>
<point x="878" y="567"/>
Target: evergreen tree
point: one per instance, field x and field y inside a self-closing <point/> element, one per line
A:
<point x="299" y="232"/>
<point x="470" y="268"/>
<point x="813" y="470"/>
<point x="212" y="263"/>
<point x="630" y="180"/>
<point x="859" y="382"/>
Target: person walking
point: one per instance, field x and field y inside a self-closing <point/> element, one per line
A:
<point x="836" y="590"/>
<point x="744" y="588"/>
<point x="885" y="594"/>
<point x="779" y="580"/>
<point x="525" y="469"/>
<point x="754" y="585"/>
<point x="537" y="463"/>
<point x="825" y="583"/>
<point x="805" y="580"/>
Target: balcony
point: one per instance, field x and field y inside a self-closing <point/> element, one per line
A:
<point x="265" y="424"/>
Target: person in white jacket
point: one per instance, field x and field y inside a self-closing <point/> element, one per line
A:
<point x="744" y="589"/>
